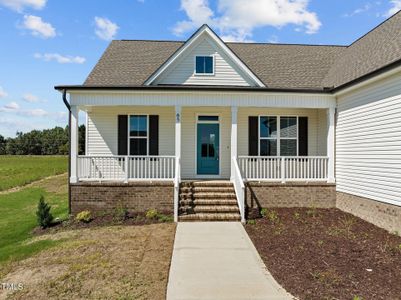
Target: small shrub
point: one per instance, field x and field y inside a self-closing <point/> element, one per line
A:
<point x="43" y="214"/>
<point x="273" y="216"/>
<point x="152" y="214"/>
<point x="297" y="216"/>
<point x="263" y="212"/>
<point x="84" y="216"/>
<point x="251" y="222"/>
<point x="396" y="233"/>
<point x="121" y="213"/>
<point x="311" y="212"/>
<point x="165" y="219"/>
<point x="357" y="298"/>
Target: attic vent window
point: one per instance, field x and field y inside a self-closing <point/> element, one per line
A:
<point x="204" y="65"/>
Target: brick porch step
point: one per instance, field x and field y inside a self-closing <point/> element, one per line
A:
<point x="209" y="208"/>
<point x="208" y="201"/>
<point x="210" y="217"/>
<point x="207" y="183"/>
<point x="214" y="195"/>
<point x="206" y="189"/>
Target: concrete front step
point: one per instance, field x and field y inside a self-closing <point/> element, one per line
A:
<point x="208" y="202"/>
<point x="210" y="217"/>
<point x="210" y="208"/>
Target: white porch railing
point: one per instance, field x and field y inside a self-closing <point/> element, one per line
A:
<point x="126" y="168"/>
<point x="239" y="187"/>
<point x="299" y="168"/>
<point x="177" y="180"/>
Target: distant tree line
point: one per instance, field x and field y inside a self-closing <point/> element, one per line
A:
<point x="41" y="142"/>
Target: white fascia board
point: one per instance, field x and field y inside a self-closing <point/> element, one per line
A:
<point x="219" y="42"/>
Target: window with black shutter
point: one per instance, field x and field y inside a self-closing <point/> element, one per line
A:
<point x="278" y="136"/>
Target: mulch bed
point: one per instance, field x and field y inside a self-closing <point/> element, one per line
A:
<point x="99" y="221"/>
<point x="328" y="254"/>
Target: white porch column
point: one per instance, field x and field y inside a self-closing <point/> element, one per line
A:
<point x="234" y="137"/>
<point x="74" y="144"/>
<point x="331" y="143"/>
<point x="178" y="131"/>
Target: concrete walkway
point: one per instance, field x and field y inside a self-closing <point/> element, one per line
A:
<point x="217" y="260"/>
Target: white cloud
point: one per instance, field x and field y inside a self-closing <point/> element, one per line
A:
<point x="61" y="59"/>
<point x="359" y="10"/>
<point x="3" y="93"/>
<point x="38" y="27"/>
<point x="236" y="19"/>
<point x="20" y="5"/>
<point x="105" y="29"/>
<point x="31" y="98"/>
<point x="11" y="106"/>
<point x="395" y="7"/>
<point x="38" y="112"/>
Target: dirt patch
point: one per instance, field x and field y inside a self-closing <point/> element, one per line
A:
<point x="328" y="254"/>
<point x="117" y="262"/>
<point x="103" y="220"/>
<point x="53" y="184"/>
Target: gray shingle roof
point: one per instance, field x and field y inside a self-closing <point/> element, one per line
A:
<point x="376" y="49"/>
<point x="127" y="63"/>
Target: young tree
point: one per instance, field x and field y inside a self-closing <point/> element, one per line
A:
<point x="43" y="214"/>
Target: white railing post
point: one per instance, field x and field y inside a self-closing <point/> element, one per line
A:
<point x="177" y="160"/>
<point x="234" y="117"/>
<point x="282" y="169"/>
<point x="239" y="188"/>
<point x="74" y="144"/>
<point x="126" y="162"/>
<point x="331" y="144"/>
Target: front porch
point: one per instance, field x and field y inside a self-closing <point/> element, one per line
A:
<point x="242" y="144"/>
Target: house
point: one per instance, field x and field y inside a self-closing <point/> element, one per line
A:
<point x="209" y="130"/>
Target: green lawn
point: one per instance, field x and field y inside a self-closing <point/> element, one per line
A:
<point x="18" y="219"/>
<point x="20" y="170"/>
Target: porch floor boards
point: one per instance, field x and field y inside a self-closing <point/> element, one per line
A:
<point x="208" y="201"/>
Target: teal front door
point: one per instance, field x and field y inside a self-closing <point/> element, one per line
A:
<point x="208" y="149"/>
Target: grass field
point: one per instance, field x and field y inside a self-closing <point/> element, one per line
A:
<point x="110" y="262"/>
<point x="18" y="219"/>
<point x="21" y="170"/>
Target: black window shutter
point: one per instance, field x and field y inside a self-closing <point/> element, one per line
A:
<point x="303" y="136"/>
<point x="122" y="134"/>
<point x="154" y="135"/>
<point x="253" y="135"/>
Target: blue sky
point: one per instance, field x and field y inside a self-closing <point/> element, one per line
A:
<point x="48" y="42"/>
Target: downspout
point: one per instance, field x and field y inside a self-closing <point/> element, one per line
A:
<point x="69" y="148"/>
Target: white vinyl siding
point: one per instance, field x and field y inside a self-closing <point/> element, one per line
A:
<point x="226" y="72"/>
<point x="314" y="135"/>
<point x="368" y="141"/>
<point x="102" y="128"/>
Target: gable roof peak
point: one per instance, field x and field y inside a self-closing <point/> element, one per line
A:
<point x="219" y="43"/>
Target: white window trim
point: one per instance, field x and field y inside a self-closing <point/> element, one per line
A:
<point x="278" y="137"/>
<point x="138" y="137"/>
<point x="205" y="74"/>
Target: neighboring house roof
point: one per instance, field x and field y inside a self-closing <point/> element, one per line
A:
<point x="278" y="66"/>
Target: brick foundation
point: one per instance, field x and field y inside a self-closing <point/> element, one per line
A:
<point x="137" y="197"/>
<point x="291" y="194"/>
<point x="381" y="214"/>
